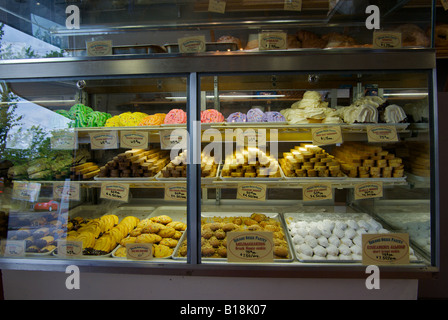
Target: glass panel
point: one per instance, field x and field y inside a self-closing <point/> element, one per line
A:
<point x="317" y="160"/>
<point x="47" y="28"/>
<point x="82" y="165"/>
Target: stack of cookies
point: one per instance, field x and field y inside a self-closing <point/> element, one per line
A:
<point x="135" y="163"/>
<point x="360" y="160"/>
<point x="250" y="163"/>
<point x="177" y="168"/>
<point x="309" y="161"/>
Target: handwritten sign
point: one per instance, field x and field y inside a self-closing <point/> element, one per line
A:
<point x="250" y="246"/>
<point x="66" y="190"/>
<point x="317" y="191"/>
<point x="115" y="191"/>
<point x="13" y="248"/>
<point x="387" y="40"/>
<point x="382" y="133"/>
<point x="326" y="135"/>
<point x="293" y="5"/>
<point x="251" y="191"/>
<point x="172" y="138"/>
<point x="176" y="192"/>
<point x="139" y="251"/>
<point x="272" y="41"/>
<point x="104" y="140"/>
<point x="218" y="6"/>
<point x="134" y="139"/>
<point x="99" y="48"/>
<point x="69" y="248"/>
<point x="191" y="44"/>
<point x="27" y="191"/>
<point x="385" y="249"/>
<point x="64" y="140"/>
<point x="368" y="190"/>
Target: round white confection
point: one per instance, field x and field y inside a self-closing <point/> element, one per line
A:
<point x="331" y="257"/>
<point x="338" y="232"/>
<point x="352" y="224"/>
<point x="382" y="230"/>
<point x="301" y="224"/>
<point x="319" y="258"/>
<point x="345" y="250"/>
<point x="328" y="224"/>
<point x="357" y="240"/>
<point x="363" y="224"/>
<point x="332" y="250"/>
<point x="323" y="241"/>
<point x="334" y="240"/>
<point x="347" y="241"/>
<point x="311" y="241"/>
<point x="345" y="257"/>
<point x="306" y="250"/>
<point x="350" y="233"/>
<point x="340" y="225"/>
<point x="315" y="232"/>
<point x="302" y="232"/>
<point x="361" y="231"/>
<point x="356" y="257"/>
<point x="305" y="257"/>
<point x="356" y="249"/>
<point x="326" y="232"/>
<point x="298" y="239"/>
<point x="374" y="224"/>
<point x="320" y="251"/>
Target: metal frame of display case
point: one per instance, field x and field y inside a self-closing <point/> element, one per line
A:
<point x="194" y="65"/>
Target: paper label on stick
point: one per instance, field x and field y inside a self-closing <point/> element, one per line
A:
<point x="368" y="190"/>
<point x="380" y="133"/>
<point x="251" y="191"/>
<point x="104" y="140"/>
<point x="317" y="191"/>
<point x="326" y="135"/>
<point x="134" y="139"/>
<point x="176" y="192"/>
<point x="115" y="191"/>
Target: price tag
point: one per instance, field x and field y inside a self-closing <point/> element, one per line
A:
<point x="317" y="191"/>
<point x="104" y="140"/>
<point x="218" y="6"/>
<point x="326" y="135"/>
<point x="191" y="44"/>
<point x="255" y="246"/>
<point x="99" y="48"/>
<point x="172" y="138"/>
<point x="64" y="140"/>
<point x="380" y="133"/>
<point x="67" y="190"/>
<point x="251" y="191"/>
<point x="115" y="191"/>
<point x="13" y="248"/>
<point x="134" y="139"/>
<point x="444" y="4"/>
<point x="176" y="192"/>
<point x="254" y="138"/>
<point x="385" y="249"/>
<point x="293" y="5"/>
<point x="387" y="40"/>
<point x="272" y="41"/>
<point x="368" y="190"/>
<point x="139" y="251"/>
<point x="27" y="191"/>
<point x="69" y="248"/>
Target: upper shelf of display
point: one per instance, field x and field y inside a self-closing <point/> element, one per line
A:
<point x="304" y="60"/>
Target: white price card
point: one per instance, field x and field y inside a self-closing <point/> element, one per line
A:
<point x="64" y="140"/>
<point x="368" y="190"/>
<point x="218" y="6"/>
<point x="13" y="248"/>
<point x="382" y="133"/>
<point x="385" y="249"/>
<point x="27" y="191"/>
<point x="252" y="246"/>
<point x="191" y="44"/>
<point x="176" y="192"/>
<point x="170" y="139"/>
<point x="251" y="191"/>
<point x="134" y="139"/>
<point x="139" y="251"/>
<point x="66" y="190"/>
<point x="326" y="135"/>
<point x="317" y="191"/>
<point x="104" y="140"/>
<point x="387" y="40"/>
<point x="99" y="48"/>
<point x="69" y="248"/>
<point x="115" y="191"/>
<point x="272" y="40"/>
<point x="293" y="5"/>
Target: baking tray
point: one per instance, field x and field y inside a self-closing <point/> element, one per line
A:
<point x="211" y="215"/>
<point x="307" y="179"/>
<point x="209" y="46"/>
<point x="313" y="217"/>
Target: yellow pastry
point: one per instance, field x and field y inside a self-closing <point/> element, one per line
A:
<point x="162" y="251"/>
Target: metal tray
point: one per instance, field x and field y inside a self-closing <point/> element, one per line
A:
<point x="309" y="179"/>
<point x="211" y="215"/>
<point x="209" y="46"/>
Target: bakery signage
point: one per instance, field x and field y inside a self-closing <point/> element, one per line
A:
<point x="317" y="191"/>
<point x="134" y="139"/>
<point x="104" y="140"/>
<point x="26" y="191"/>
<point x="385" y="249"/>
<point x="115" y="191"/>
<point x="368" y="190"/>
<point x="69" y="248"/>
<point x="191" y="44"/>
<point x="272" y="40"/>
<point x="13" y="248"/>
<point x="251" y="191"/>
<point x="172" y="138"/>
<point x="64" y="140"/>
<point x="387" y="40"/>
<point x="326" y="135"/>
<point x="382" y="133"/>
<point x="66" y="190"/>
<point x="176" y="192"/>
<point x="250" y="246"/>
<point x="218" y="6"/>
<point x="99" y="48"/>
<point x="139" y="251"/>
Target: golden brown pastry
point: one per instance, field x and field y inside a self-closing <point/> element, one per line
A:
<point x="162" y="251"/>
<point x="148" y="238"/>
<point x="168" y="232"/>
<point x="124" y="241"/>
<point x="169" y="242"/>
<point x="177" y="225"/>
<point x="164" y="219"/>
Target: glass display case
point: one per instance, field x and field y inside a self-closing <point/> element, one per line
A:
<point x="236" y="158"/>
